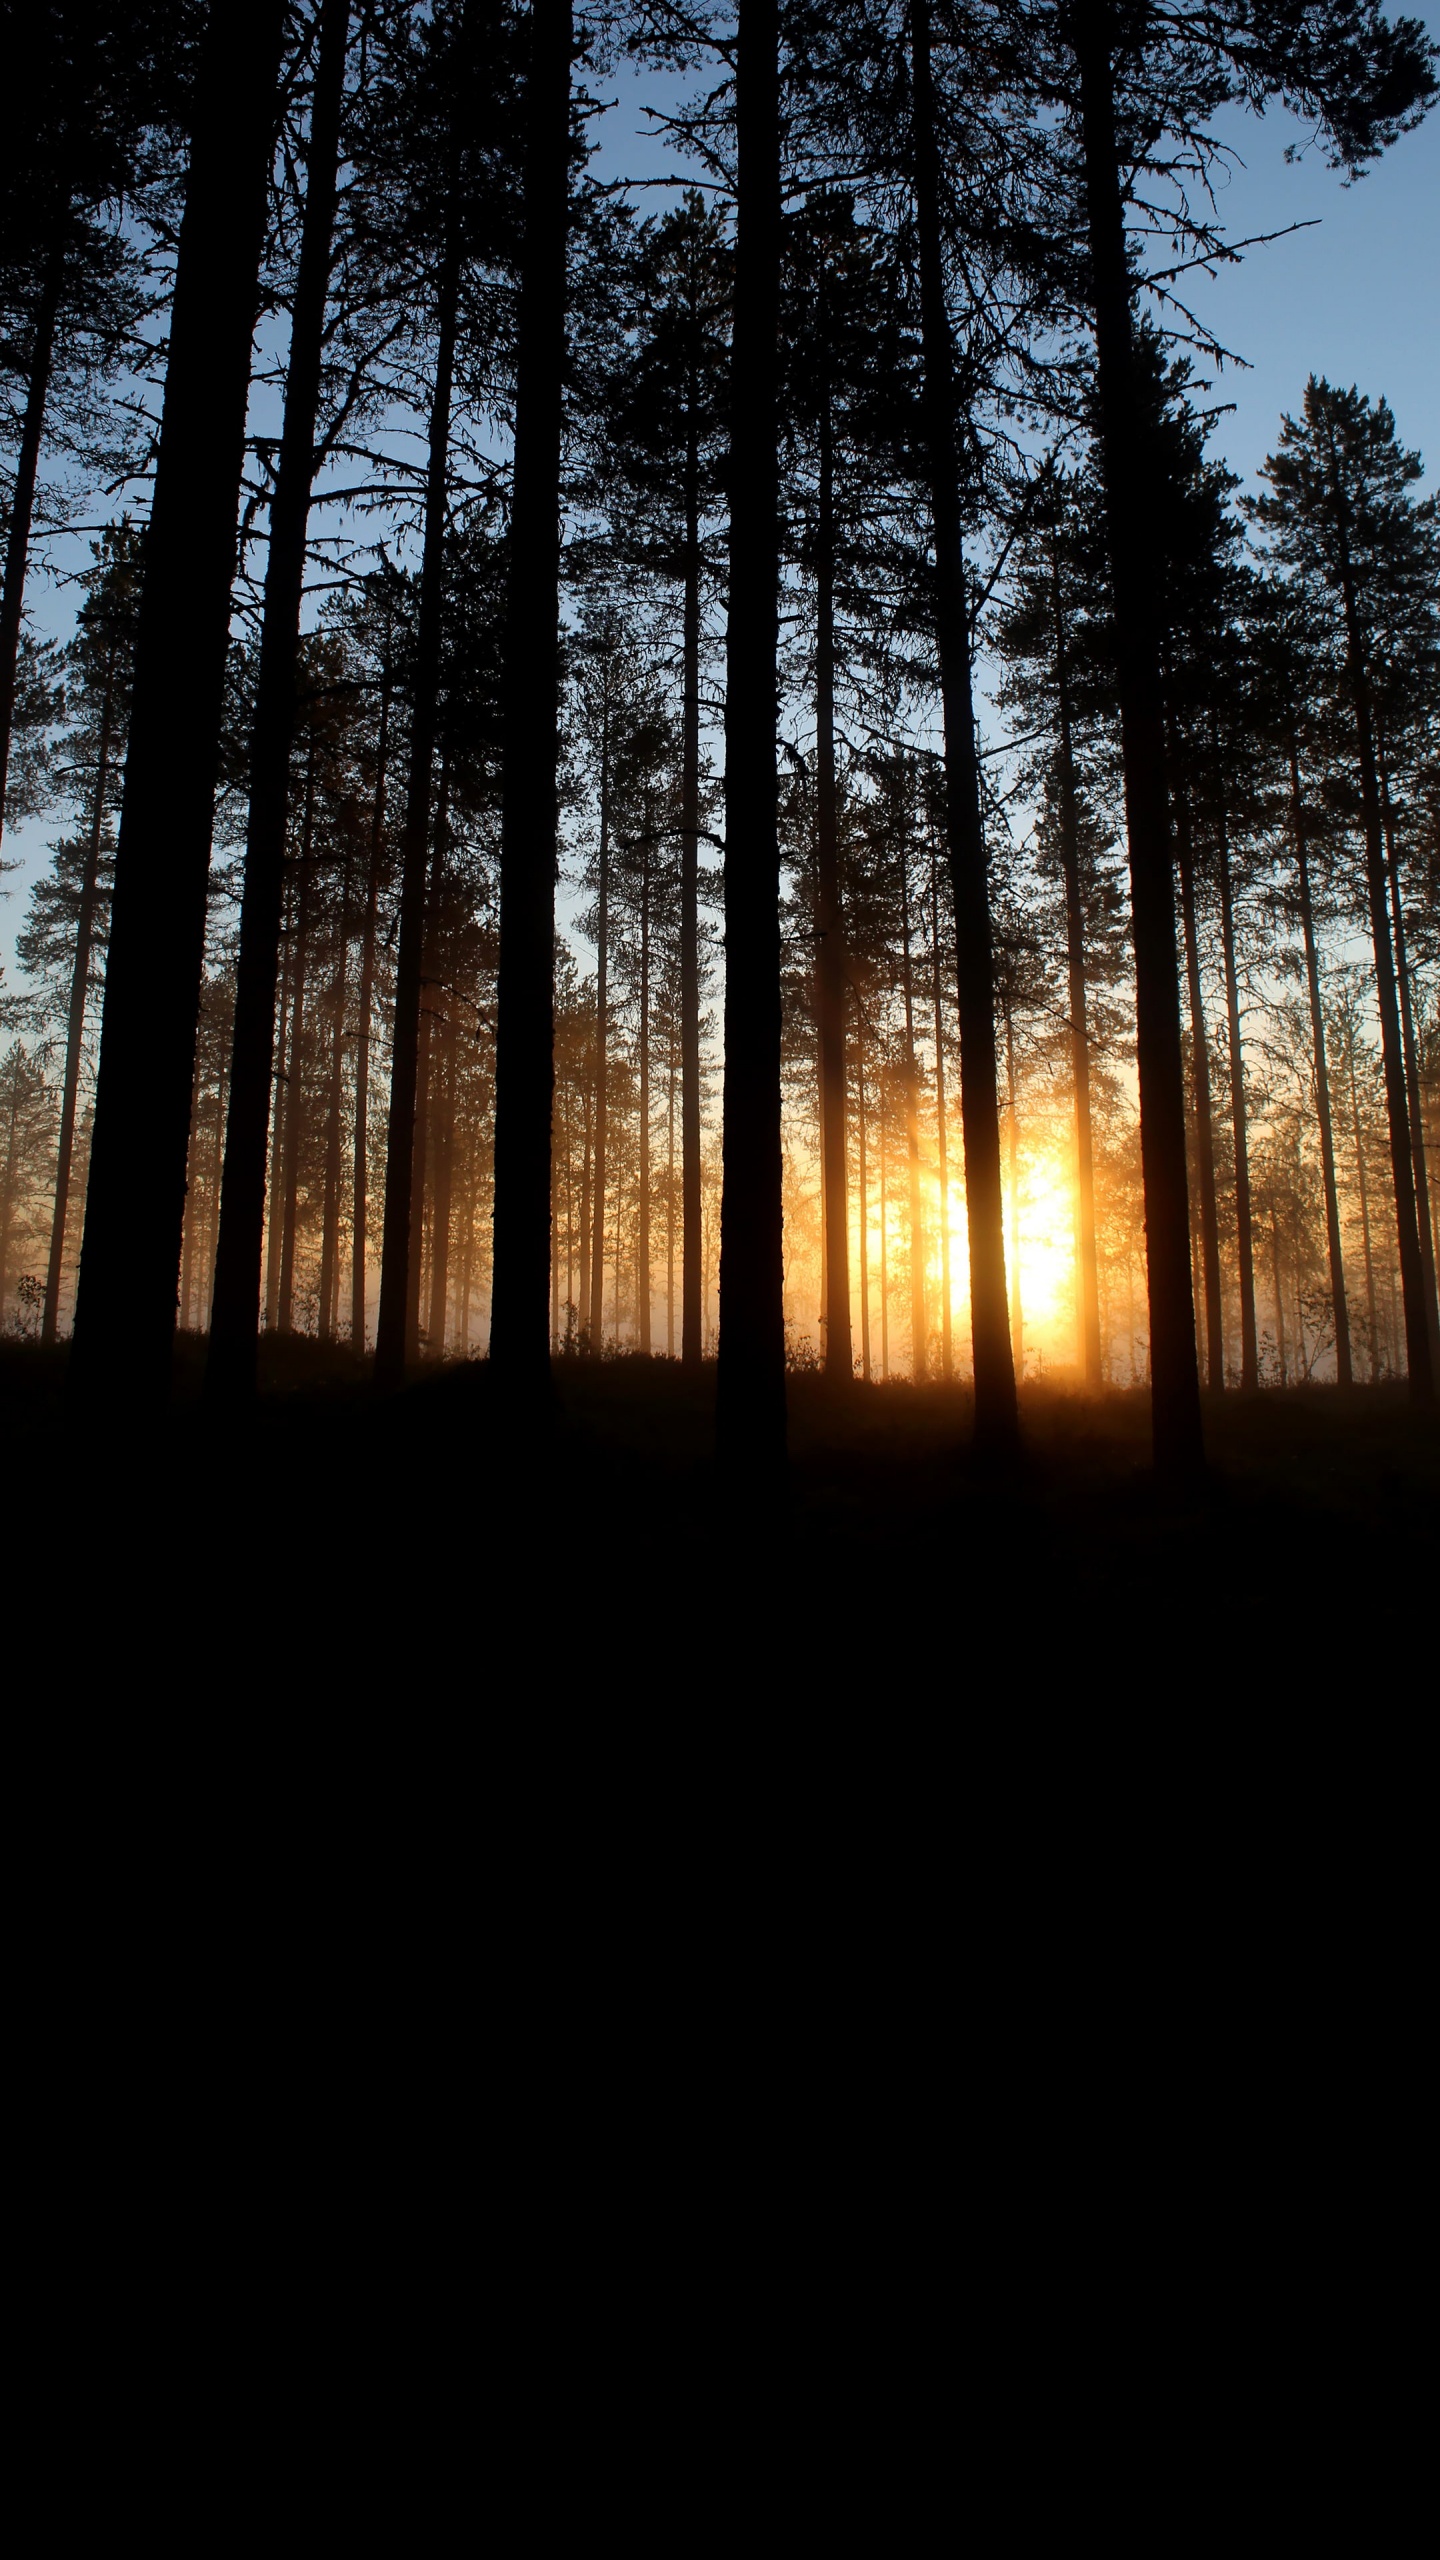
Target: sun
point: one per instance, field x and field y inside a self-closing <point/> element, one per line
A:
<point x="1040" y="1240"/>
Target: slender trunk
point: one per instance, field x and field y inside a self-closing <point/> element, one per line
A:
<point x="864" y="1220"/>
<point x="230" y="1363"/>
<point x="1249" y="1349"/>
<point x="1204" y="1114"/>
<point x="1279" y="1288"/>
<point x="330" y="1230"/>
<point x="644" y="1222"/>
<point x="444" y="1179"/>
<point x="277" y="1138"/>
<point x="1364" y="1190"/>
<point x="1017" y="1310"/>
<point x="830" y="941"/>
<point x="130" y="1261"/>
<point x="1402" y="1160"/>
<point x="363" y="1034"/>
<point x="692" y="1312"/>
<point x="750" y="1397"/>
<point x="602" y="1036"/>
<point x="996" y="1409"/>
<point x="525" y="1068"/>
<point x="22" y="505"/>
<point x="1132" y="513"/>
<point x="1414" y="1093"/>
<point x="1343" y="1368"/>
<point x="947" y="1357"/>
<point x="1087" y="1290"/>
<point x="423" y="1159"/>
<point x="918" y="1329"/>
<point x="400" y="1245"/>
<point x="75" y="1022"/>
<point x="295" y="1105"/>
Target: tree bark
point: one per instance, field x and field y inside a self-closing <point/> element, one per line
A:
<point x="1130" y="491"/>
<point x="525" y="1068"/>
<point x="750" y="1396"/>
<point x="129" y="1266"/>
<point x="234" y="1322"/>
<point x="996" y="1408"/>
<point x="399" y="1243"/>
<point x="1344" y="1373"/>
<point x="1413" y="1089"/>
<point x="22" y="506"/>
<point x="75" y="1022"/>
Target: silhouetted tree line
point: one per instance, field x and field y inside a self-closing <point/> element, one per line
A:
<point x="645" y="561"/>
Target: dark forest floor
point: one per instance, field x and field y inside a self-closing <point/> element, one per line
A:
<point x="408" y="1553"/>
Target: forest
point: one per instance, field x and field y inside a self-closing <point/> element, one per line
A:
<point x="691" y="825"/>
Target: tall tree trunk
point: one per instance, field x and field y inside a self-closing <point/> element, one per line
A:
<point x="996" y="1409"/>
<point x="361" y="1183"/>
<point x="525" y="1066"/>
<point x="918" y="1327"/>
<point x="330" y="1230"/>
<point x="750" y="1400"/>
<point x="75" y="1020"/>
<point x="22" y="506"/>
<point x="400" y="1243"/>
<point x="295" y="1101"/>
<point x="864" y="1215"/>
<point x="602" y="1041"/>
<point x="1204" y="1113"/>
<point x="130" y="1261"/>
<point x="230" y="1362"/>
<point x="1343" y="1368"/>
<point x="692" y="1312"/>
<point x="1402" y="1160"/>
<point x="644" y="1220"/>
<point x="1363" y="1188"/>
<point x="947" y="1352"/>
<point x="1249" y="1347"/>
<point x="830" y="939"/>
<point x="1086" y="1261"/>
<point x="444" y="1179"/>
<point x="1414" y="1091"/>
<point x="1132" y="513"/>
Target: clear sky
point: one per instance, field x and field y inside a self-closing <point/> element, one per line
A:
<point x="1356" y="298"/>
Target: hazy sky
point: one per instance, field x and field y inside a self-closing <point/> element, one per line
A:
<point x="1357" y="298"/>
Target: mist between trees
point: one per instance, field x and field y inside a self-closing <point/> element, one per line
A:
<point x="552" y="869"/>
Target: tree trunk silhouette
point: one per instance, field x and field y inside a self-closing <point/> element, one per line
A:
<point x="295" y="1100"/>
<point x="22" y="505"/>
<point x="279" y="1115"/>
<point x="830" y="939"/>
<point x="399" y="1243"/>
<point x="1343" y="1369"/>
<point x="1402" y="1161"/>
<point x="750" y="1397"/>
<point x="1086" y="1263"/>
<point x="444" y="1181"/>
<point x="330" y="1228"/>
<point x="602" y="1043"/>
<point x="1249" y="1347"/>
<point x="692" y="1312"/>
<point x="947" y="1349"/>
<point x="1204" y="1112"/>
<point x="1414" y="1091"/>
<point x="525" y="1061"/>
<point x="363" y="1035"/>
<point x="996" y="1409"/>
<point x="1132" y="514"/>
<point x="130" y="1260"/>
<point x="75" y="1020"/>
<point x="234" y="1320"/>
